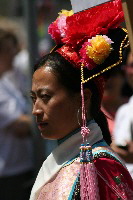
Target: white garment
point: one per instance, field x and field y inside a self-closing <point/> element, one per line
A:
<point x="122" y="127"/>
<point x="21" y="61"/>
<point x="21" y="71"/>
<point x="63" y="153"/>
<point x="15" y="153"/>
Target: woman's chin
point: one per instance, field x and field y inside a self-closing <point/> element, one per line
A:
<point x="48" y="136"/>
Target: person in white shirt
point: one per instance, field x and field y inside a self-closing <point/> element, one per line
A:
<point x="16" y="146"/>
<point x="123" y="128"/>
<point x="123" y="133"/>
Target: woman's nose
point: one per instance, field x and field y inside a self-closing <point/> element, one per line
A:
<point x="37" y="109"/>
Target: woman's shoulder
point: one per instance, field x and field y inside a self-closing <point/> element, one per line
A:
<point x="107" y="153"/>
<point x="113" y="178"/>
<point x="112" y="174"/>
<point x="100" y="153"/>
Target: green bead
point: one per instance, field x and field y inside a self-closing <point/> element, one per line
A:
<point x="117" y="179"/>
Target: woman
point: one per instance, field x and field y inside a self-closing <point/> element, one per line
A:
<point x="66" y="103"/>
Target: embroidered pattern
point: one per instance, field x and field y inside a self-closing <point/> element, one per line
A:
<point x="76" y="193"/>
<point x="67" y="186"/>
<point x="119" y="190"/>
<point x="105" y="155"/>
<point x="60" y="185"/>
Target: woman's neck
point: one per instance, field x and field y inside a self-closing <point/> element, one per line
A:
<point x="59" y="141"/>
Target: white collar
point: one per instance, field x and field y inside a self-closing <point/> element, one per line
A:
<point x="63" y="153"/>
<point x="131" y="100"/>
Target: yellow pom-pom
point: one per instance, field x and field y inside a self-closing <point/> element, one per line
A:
<point x="99" y="49"/>
<point x="66" y="13"/>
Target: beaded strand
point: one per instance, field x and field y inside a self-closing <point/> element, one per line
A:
<point x="108" y="68"/>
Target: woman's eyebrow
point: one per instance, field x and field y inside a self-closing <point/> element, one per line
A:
<point x="43" y="90"/>
<point x="39" y="91"/>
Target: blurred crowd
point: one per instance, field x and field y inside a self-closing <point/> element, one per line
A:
<point x="16" y="145"/>
<point x="22" y="151"/>
<point x="17" y="149"/>
<point x="117" y="105"/>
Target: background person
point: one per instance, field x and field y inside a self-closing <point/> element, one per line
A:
<point x="123" y="128"/>
<point x="127" y="89"/>
<point x="16" y="148"/>
<point x="113" y="97"/>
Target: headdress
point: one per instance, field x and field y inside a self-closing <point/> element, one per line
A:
<point x="91" y="39"/>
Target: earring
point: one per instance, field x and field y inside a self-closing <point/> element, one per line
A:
<point x="78" y="116"/>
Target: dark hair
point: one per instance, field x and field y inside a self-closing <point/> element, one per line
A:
<point x="69" y="77"/>
<point x="126" y="54"/>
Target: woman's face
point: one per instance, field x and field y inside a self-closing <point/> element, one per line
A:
<point x="55" y="110"/>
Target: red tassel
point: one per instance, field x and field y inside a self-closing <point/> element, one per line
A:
<point x="88" y="175"/>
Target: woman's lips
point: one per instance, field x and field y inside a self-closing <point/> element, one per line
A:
<point x="42" y="125"/>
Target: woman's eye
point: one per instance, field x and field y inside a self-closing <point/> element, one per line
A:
<point x="45" y="97"/>
<point x="33" y="99"/>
